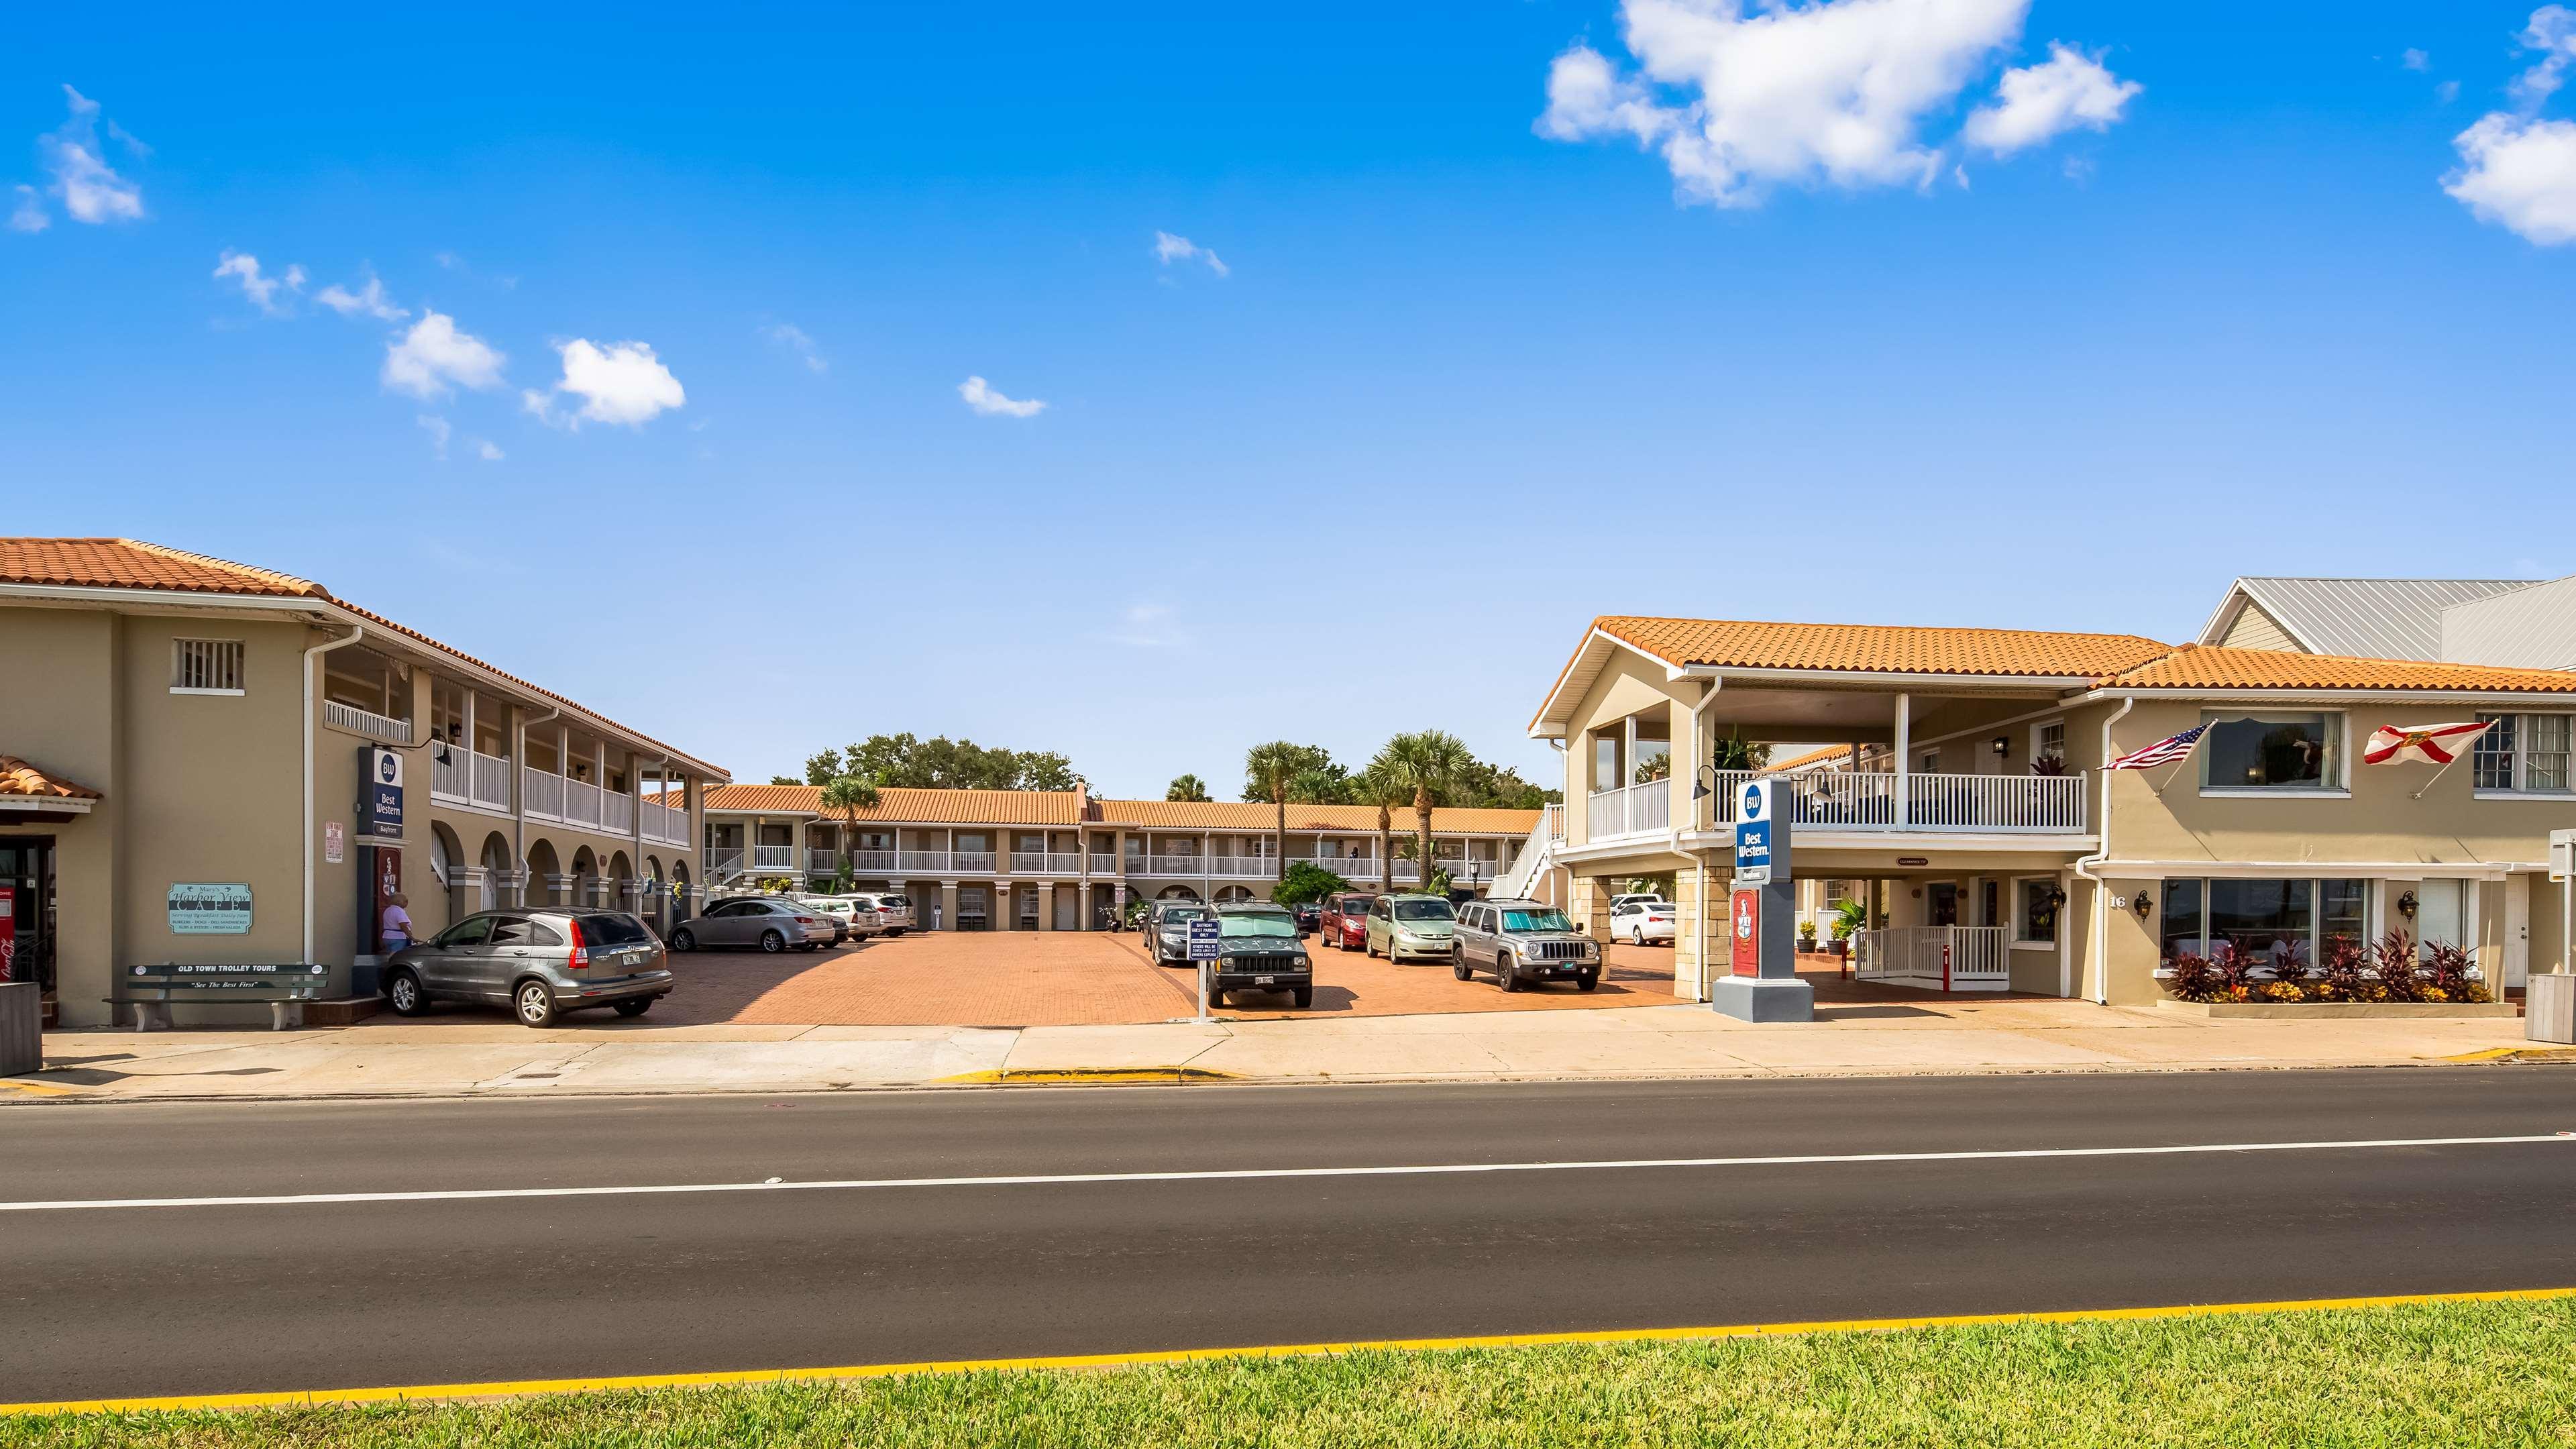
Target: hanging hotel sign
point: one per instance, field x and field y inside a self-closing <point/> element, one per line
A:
<point x="209" y="908"/>
<point x="380" y="808"/>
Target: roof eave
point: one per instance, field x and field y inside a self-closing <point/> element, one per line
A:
<point x="2341" y="695"/>
<point x="1877" y="677"/>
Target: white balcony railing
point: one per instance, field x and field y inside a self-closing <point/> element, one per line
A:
<point x="724" y="862"/>
<point x="545" y="793"/>
<point x="972" y="861"/>
<point x="1195" y="865"/>
<point x="1936" y="958"/>
<point x="872" y="861"/>
<point x="1028" y="862"/>
<point x="366" y="722"/>
<point x="821" y="861"/>
<point x="913" y="860"/>
<point x="618" y="818"/>
<point x="773" y="857"/>
<point x="1631" y="810"/>
<point x="1963" y="804"/>
<point x="665" y="824"/>
<point x="490" y="783"/>
<point x="1104" y="862"/>
<point x="451" y="778"/>
<point x="1554" y="822"/>
<point x="581" y="803"/>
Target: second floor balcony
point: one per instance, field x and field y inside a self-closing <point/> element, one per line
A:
<point x="1931" y="803"/>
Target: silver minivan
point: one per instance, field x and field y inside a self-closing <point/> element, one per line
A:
<point x="538" y="962"/>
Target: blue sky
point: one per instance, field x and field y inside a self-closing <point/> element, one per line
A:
<point x="2108" y="304"/>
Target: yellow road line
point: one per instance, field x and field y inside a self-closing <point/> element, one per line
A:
<point x="2516" y="1053"/>
<point x="508" y="1388"/>
<point x="39" y="1089"/>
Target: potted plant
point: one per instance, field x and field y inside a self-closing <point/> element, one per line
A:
<point x="1807" y="934"/>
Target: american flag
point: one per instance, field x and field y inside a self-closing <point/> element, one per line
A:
<point x="2163" y="752"/>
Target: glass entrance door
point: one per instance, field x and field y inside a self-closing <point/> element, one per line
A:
<point x="27" y="873"/>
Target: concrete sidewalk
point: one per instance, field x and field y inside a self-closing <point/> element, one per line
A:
<point x="491" y="1056"/>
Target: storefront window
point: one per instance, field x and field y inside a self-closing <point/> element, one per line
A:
<point x="2277" y="920"/>
<point x="2036" y="910"/>
<point x="2182" y="933"/>
<point x="2271" y="752"/>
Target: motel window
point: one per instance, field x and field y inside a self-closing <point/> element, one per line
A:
<point x="2523" y="752"/>
<point x="2048" y="741"/>
<point x="2272" y="751"/>
<point x="2282" y="921"/>
<point x="2035" y="906"/>
<point x="205" y="666"/>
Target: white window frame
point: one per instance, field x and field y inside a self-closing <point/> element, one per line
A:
<point x="2012" y="908"/>
<point x="2520" y="755"/>
<point x="231" y="652"/>
<point x="2039" y="738"/>
<point x="2337" y="785"/>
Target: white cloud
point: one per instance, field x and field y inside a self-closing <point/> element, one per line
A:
<point x="488" y="451"/>
<point x="438" y="429"/>
<point x="1169" y="249"/>
<point x="261" y="289"/>
<point x="980" y="396"/>
<point x="1738" y="96"/>
<point x="369" y="300"/>
<point x="2517" y="169"/>
<point x="793" y="338"/>
<point x="90" y="190"/>
<point x="2447" y="92"/>
<point x="2416" y="60"/>
<point x="2039" y="102"/>
<point x="1146" y="626"/>
<point x="432" y="357"/>
<point x="622" y="382"/>
<point x="29" y="214"/>
<point x="2519" y="173"/>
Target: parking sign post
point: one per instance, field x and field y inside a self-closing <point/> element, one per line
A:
<point x="1205" y="950"/>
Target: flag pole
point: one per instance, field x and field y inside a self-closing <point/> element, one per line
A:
<point x="2437" y="774"/>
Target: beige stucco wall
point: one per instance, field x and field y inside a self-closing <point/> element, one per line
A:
<point x="59" y="713"/>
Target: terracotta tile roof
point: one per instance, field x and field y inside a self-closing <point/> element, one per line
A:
<point x="2188" y="667"/>
<point x="1829" y="755"/>
<point x="1343" y="819"/>
<point x="17" y="777"/>
<point x="909" y="806"/>
<point x="1879" y="648"/>
<point x="127" y="563"/>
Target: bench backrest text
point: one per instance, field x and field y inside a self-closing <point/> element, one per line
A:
<point x="202" y="981"/>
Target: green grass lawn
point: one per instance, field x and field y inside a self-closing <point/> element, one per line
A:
<point x="2435" y="1374"/>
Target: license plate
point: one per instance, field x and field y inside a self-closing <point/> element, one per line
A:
<point x="1265" y="980"/>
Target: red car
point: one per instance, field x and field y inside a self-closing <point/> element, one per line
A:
<point x="1346" y="920"/>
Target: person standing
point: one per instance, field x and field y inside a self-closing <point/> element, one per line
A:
<point x="395" y="932"/>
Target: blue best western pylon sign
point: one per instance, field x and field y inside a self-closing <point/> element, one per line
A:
<point x="380" y="797"/>
<point x="1762" y="982"/>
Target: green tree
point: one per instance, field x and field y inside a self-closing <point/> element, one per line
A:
<point x="1731" y="751"/>
<point x="1374" y="786"/>
<point x="941" y="763"/>
<point x="846" y="796"/>
<point x="820" y="769"/>
<point x="1426" y="765"/>
<point x="1188" y="788"/>
<point x="1271" y="772"/>
<point x="1306" y="881"/>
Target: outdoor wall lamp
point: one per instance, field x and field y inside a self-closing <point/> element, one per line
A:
<point x="2003" y="746"/>
<point x="2143" y="904"/>
<point x="2406" y="904"/>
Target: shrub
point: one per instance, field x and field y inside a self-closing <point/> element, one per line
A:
<point x="2235" y="967"/>
<point x="2347" y="976"/>
<point x="2290" y="974"/>
<point x="2453" y="974"/>
<point x="2192" y="978"/>
<point x="1307" y="881"/>
<point x="2392" y="959"/>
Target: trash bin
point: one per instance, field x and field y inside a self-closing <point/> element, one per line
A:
<point x="2549" y="1007"/>
<point x="22" y="1037"/>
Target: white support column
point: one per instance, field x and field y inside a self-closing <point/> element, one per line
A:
<point x="1904" y="764"/>
<point x="470" y="739"/>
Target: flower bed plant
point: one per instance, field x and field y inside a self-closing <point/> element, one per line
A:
<point x="2387" y="970"/>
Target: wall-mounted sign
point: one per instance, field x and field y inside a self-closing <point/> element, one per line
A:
<point x="209" y="908"/>
<point x="335" y="842"/>
<point x="1914" y="860"/>
<point x="380" y="806"/>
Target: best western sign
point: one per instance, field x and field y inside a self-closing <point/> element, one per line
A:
<point x="380" y="798"/>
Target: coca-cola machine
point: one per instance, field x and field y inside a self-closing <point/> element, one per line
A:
<point x="8" y="934"/>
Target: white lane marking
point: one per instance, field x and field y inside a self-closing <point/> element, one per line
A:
<point x="1239" y="1174"/>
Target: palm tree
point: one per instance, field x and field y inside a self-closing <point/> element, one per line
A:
<point x="1269" y="772"/>
<point x="1425" y="766"/>
<point x="1187" y="787"/>
<point x="1370" y="787"/>
<point x="846" y="796"/>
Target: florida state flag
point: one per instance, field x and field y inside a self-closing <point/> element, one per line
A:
<point x="2429" y="744"/>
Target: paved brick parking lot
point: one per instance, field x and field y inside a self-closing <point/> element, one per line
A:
<point x="1072" y="978"/>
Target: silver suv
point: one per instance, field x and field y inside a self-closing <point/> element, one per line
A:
<point x="1519" y="941"/>
<point x="538" y="962"/>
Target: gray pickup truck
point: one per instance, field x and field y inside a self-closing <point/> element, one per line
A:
<point x="1517" y="941"/>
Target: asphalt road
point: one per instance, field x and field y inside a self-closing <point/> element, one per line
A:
<point x="235" y="1297"/>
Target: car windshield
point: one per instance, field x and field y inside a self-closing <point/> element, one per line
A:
<point x="1424" y="911"/>
<point x="1266" y="927"/>
<point x="1356" y="905"/>
<point x="1182" y="913"/>
<point x="895" y="902"/>
<point x="1536" y="921"/>
<point x="607" y="929"/>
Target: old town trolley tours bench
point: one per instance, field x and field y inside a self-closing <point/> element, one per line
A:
<point x="153" y="990"/>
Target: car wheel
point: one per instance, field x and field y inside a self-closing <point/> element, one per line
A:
<point x="1215" y="1000"/>
<point x="1458" y="966"/>
<point x="534" y="1002"/>
<point x="1587" y="981"/>
<point x="772" y="942"/>
<point x="1504" y="976"/>
<point x="684" y="939"/>
<point x="1305" y="996"/>
<point x="404" y="994"/>
<point x="635" y="1007"/>
<point x="1368" y="945"/>
<point x="1637" y="936"/>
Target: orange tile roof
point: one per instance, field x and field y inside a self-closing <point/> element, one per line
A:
<point x="1879" y="648"/>
<point x="127" y="563"/>
<point x="1344" y="819"/>
<point x="2213" y="667"/>
<point x="17" y="777"/>
<point x="908" y="805"/>
<point x="1830" y="754"/>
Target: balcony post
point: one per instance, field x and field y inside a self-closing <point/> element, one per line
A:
<point x="1904" y="749"/>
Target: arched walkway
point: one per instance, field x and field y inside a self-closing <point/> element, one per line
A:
<point x="544" y="866"/>
<point x="1233" y="893"/>
<point x="496" y="863"/>
<point x="1176" y="893"/>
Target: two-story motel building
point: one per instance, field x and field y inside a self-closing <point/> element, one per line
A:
<point x="1054" y="860"/>
<point x="1973" y="813"/>
<point x="181" y="747"/>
